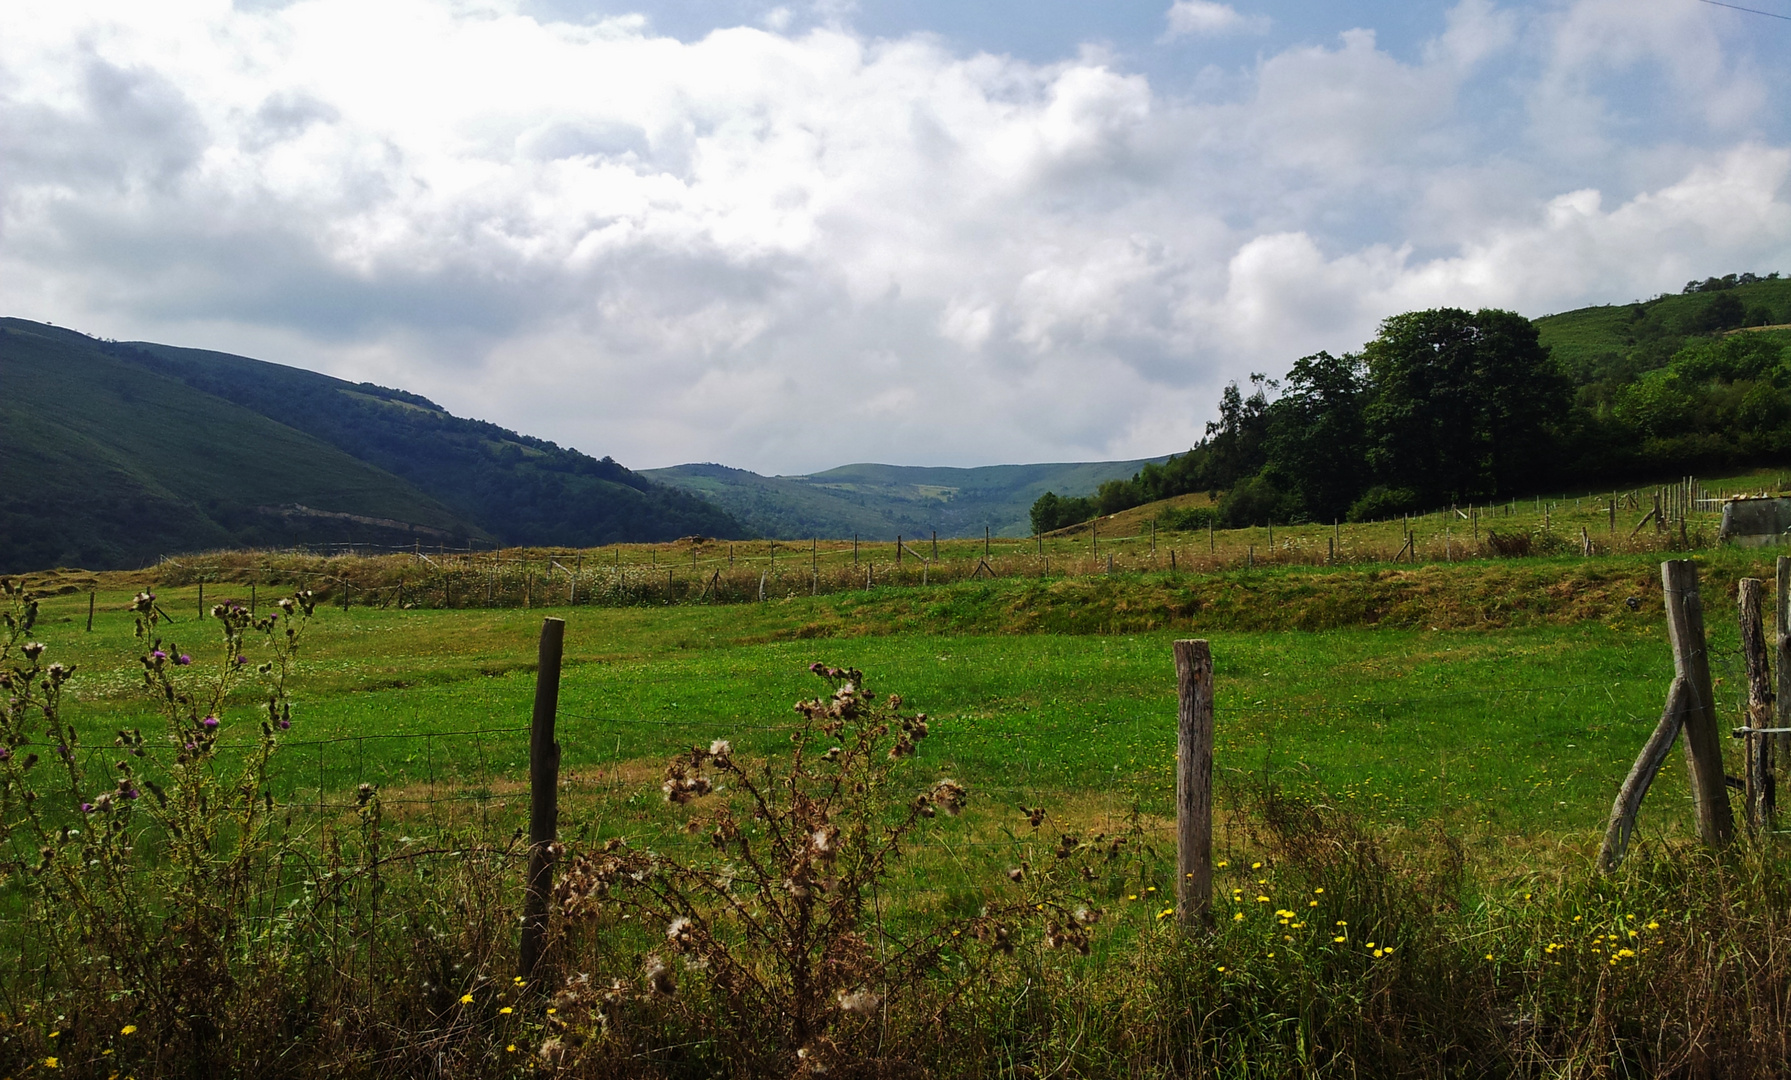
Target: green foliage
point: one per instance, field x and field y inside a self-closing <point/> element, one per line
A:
<point x="1462" y="406"/>
<point x="1380" y="502"/>
<point x="1052" y="511"/>
<point x="1187" y="518"/>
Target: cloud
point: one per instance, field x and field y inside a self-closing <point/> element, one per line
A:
<point x="1205" y="18"/>
<point x="788" y="248"/>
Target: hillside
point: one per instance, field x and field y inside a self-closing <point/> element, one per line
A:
<point x="886" y="500"/>
<point x="1611" y="344"/>
<point x="110" y="465"/>
<point x="517" y="488"/>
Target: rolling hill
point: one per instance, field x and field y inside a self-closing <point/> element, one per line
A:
<point x="117" y="452"/>
<point x="109" y="465"/>
<point x="886" y="500"/>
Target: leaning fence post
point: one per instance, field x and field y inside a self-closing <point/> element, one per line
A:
<point x="544" y="795"/>
<point x="1691" y="662"/>
<point x="1193" y="781"/>
<point x="1641" y="775"/>
<point x="1761" y="797"/>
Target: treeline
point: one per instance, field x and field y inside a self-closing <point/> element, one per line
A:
<point x="1451" y="407"/>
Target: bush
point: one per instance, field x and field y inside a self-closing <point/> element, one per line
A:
<point x="1379" y="503"/>
<point x="1187" y="518"/>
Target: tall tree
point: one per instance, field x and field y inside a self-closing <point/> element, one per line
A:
<point x="1315" y="437"/>
<point x="1462" y="405"/>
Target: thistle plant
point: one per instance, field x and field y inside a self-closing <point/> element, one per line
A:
<point x="772" y="945"/>
<point x="143" y="877"/>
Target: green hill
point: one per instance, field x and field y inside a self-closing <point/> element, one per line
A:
<point x="111" y="465"/>
<point x="886" y="500"/>
<point x="1605" y="346"/>
<point x="519" y="489"/>
<point x="133" y="449"/>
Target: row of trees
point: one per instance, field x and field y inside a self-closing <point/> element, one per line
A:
<point x="1449" y="406"/>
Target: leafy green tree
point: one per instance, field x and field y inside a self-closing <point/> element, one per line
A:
<point x="1462" y="404"/>
<point x="1315" y="435"/>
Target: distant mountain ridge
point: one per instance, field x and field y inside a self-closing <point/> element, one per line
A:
<point x="116" y="452"/>
<point x="886" y="500"/>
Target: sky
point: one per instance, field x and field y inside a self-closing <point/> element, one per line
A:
<point x="789" y="236"/>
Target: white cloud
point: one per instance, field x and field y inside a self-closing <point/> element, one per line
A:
<point x="1205" y="18"/>
<point x="789" y="249"/>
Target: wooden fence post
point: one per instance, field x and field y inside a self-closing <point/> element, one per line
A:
<point x="1761" y="796"/>
<point x="1641" y="774"/>
<point x="544" y="795"/>
<point x="202" y="599"/>
<point x="1193" y="782"/>
<point x="1782" y="633"/>
<point x="90" y="611"/>
<point x="1691" y="662"/>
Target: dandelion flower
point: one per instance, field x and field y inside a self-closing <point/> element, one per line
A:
<point x="1318" y="890"/>
<point x="1239" y="917"/>
<point x="1339" y="939"/>
<point x="505" y="1011"/>
<point x="466" y="999"/>
<point x="511" y="1049"/>
<point x="129" y="1029"/>
<point x="1165" y="913"/>
<point x="1489" y="956"/>
<point x="52" y="1063"/>
<point x="1256" y="866"/>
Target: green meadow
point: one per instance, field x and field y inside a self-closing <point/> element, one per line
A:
<point x="1511" y="732"/>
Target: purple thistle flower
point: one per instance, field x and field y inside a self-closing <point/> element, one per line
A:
<point x="158" y="655"/>
<point x="86" y="808"/>
<point x="209" y="723"/>
<point x="183" y="660"/>
<point x="5" y="753"/>
<point x="192" y="746"/>
<point x="132" y="793"/>
<point x="242" y="659"/>
<point x="284" y="724"/>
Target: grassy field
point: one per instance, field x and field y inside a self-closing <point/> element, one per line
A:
<point x="1501" y="732"/>
<point x="1414" y="761"/>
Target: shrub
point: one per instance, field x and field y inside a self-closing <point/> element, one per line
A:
<point x="1379" y="503"/>
<point x="1187" y="518"/>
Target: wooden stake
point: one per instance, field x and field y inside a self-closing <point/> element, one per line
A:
<point x="1782" y="633"/>
<point x="544" y="797"/>
<point x="202" y="599"/>
<point x="1193" y="782"/>
<point x="1691" y="662"/>
<point x="90" y="611"/>
<point x="1641" y="774"/>
<point x="1761" y="796"/>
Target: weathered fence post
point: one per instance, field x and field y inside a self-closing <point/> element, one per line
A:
<point x="1691" y="662"/>
<point x="1641" y="774"/>
<point x="1193" y="782"/>
<point x="1761" y="796"/>
<point x="544" y="795"/>
<point x="90" y="611"/>
<point x="202" y="599"/>
<point x="1782" y="633"/>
